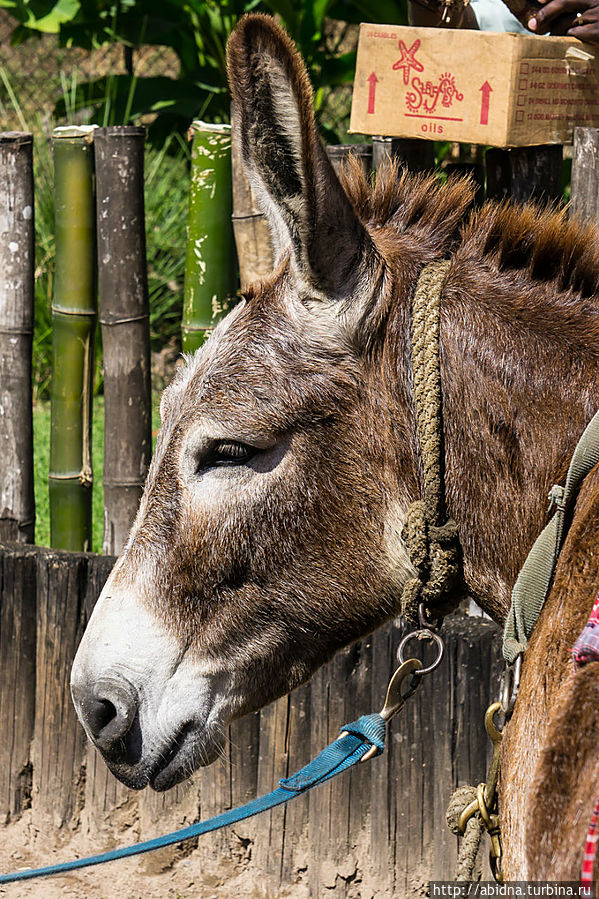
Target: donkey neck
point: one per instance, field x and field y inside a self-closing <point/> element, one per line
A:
<point x="516" y="400"/>
<point x="517" y="394"/>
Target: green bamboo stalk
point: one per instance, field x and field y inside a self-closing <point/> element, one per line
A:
<point x="74" y="312"/>
<point x="210" y="264"/>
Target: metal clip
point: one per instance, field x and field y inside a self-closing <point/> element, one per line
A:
<point x="396" y="698"/>
<point x="490" y="821"/>
<point x="510" y="684"/>
<point x="396" y="695"/>
<point x="413" y="669"/>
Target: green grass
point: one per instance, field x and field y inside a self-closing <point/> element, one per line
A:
<point x="41" y="444"/>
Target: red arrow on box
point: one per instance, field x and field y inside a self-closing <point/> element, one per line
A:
<point x="484" y="106"/>
<point x="372" y="80"/>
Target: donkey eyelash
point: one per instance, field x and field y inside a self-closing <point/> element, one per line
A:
<point x="227" y="452"/>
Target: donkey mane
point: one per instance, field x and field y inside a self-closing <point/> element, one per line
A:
<point x="545" y="267"/>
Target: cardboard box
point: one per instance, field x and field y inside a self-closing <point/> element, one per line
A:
<point x="500" y="89"/>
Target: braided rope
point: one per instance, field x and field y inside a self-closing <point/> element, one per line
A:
<point x="426" y="365"/>
<point x="432" y="541"/>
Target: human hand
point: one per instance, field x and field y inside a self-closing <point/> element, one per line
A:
<point x="576" y="18"/>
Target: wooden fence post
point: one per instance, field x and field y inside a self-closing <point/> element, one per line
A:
<point x="525" y="173"/>
<point x="585" y="174"/>
<point x="68" y="585"/>
<point x="17" y="677"/>
<point x="17" y="263"/>
<point x="124" y="319"/>
<point x="339" y="153"/>
<point x="416" y="155"/>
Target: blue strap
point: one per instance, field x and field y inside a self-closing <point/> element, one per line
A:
<point x="346" y="751"/>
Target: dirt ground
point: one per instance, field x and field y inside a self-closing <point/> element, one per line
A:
<point x="171" y="873"/>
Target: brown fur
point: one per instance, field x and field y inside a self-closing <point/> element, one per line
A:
<point x="550" y="765"/>
<point x="275" y="577"/>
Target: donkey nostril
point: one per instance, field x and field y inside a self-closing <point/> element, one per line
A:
<point x="107" y="711"/>
<point x="100" y="712"/>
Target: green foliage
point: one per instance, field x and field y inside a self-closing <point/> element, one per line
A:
<point x="40" y="15"/>
<point x="197" y="30"/>
<point x="167" y="193"/>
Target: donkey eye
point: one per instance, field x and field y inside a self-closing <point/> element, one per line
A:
<point x="228" y="452"/>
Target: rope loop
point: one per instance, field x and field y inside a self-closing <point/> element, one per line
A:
<point x="461" y="800"/>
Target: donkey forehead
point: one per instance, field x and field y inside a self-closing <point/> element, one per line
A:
<point x="265" y="360"/>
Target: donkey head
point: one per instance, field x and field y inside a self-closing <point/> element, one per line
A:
<point x="268" y="535"/>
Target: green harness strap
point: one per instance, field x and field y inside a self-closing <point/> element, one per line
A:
<point x="531" y="587"/>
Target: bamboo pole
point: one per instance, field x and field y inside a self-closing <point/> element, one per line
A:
<point x="210" y="264"/>
<point x="73" y="328"/>
<point x="124" y="320"/>
<point x="252" y="235"/>
<point x="17" y="263"/>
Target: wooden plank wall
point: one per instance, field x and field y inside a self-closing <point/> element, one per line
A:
<point x="380" y="827"/>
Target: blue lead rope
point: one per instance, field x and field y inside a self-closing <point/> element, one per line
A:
<point x="344" y="753"/>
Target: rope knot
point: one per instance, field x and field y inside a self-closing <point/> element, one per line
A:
<point x="435" y="553"/>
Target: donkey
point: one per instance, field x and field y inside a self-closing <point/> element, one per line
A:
<point x="269" y="534"/>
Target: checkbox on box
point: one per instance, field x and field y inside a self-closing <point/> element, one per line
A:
<point x="519" y="115"/>
<point x="520" y="100"/>
<point x="524" y="68"/>
<point x="523" y="84"/>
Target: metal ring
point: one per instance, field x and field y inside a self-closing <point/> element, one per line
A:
<point x="423" y="633"/>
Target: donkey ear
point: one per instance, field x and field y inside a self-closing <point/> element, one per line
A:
<point x="286" y="162"/>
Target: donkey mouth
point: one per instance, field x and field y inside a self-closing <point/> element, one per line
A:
<point x="186" y="753"/>
<point x="174" y="764"/>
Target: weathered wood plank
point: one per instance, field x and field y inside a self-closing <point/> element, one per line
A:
<point x="17" y="677"/>
<point x="68" y="585"/>
<point x="273" y="763"/>
<point x="585" y="174"/>
<point x="385" y="804"/>
<point x="358" y="698"/>
<point x="299" y="751"/>
<point x="525" y="173"/>
<point x="253" y="241"/>
<point x="416" y="155"/>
